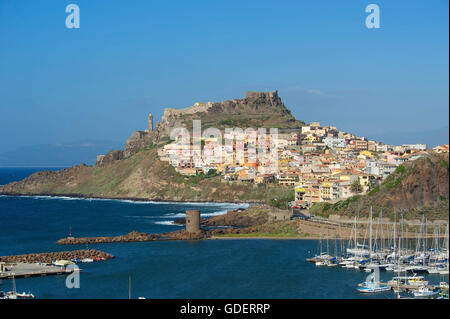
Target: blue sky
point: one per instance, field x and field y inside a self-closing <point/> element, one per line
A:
<point x="132" y="57"/>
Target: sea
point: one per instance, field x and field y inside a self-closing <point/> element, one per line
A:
<point x="235" y="268"/>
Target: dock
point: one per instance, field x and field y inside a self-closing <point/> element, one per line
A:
<point x="48" y="258"/>
<point x="24" y="270"/>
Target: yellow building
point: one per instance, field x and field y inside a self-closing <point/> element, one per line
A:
<point x="367" y="154"/>
<point x="288" y="179"/>
<point x="364" y="180"/>
<point x="326" y="191"/>
<point x="300" y="192"/>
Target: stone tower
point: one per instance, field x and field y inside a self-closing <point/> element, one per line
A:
<point x="150" y="122"/>
<point x="193" y="221"/>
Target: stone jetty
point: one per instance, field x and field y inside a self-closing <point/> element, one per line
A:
<point x="133" y="236"/>
<point x="53" y="256"/>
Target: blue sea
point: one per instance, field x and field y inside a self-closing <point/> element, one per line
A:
<point x="243" y="268"/>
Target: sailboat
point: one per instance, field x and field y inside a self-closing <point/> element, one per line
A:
<point x="322" y="258"/>
<point x="334" y="261"/>
<point x="372" y="283"/>
<point x="14" y="295"/>
<point x="445" y="270"/>
<point x="371" y="265"/>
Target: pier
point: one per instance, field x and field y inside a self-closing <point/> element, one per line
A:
<point x="48" y="258"/>
<point x="23" y="270"/>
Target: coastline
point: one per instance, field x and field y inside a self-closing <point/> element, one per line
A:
<point x="134" y="199"/>
<point x="263" y="238"/>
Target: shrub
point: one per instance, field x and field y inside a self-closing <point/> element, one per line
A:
<point x="374" y="191"/>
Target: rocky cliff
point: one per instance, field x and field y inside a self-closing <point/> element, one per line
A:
<point x="256" y="109"/>
<point x="415" y="188"/>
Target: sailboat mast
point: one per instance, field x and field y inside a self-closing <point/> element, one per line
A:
<point x="400" y="239"/>
<point x="129" y="287"/>
<point x="335" y="243"/>
<point x="395" y="238"/>
<point x="14" y="284"/>
<point x="381" y="230"/>
<point x="370" y="235"/>
<point x="423" y="239"/>
<point x="320" y="243"/>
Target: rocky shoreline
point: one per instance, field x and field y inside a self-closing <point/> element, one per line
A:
<point x="134" y="199"/>
<point x="48" y="258"/>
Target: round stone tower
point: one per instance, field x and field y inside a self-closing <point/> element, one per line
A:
<point x="193" y="221"/>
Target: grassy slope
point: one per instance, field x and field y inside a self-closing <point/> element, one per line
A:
<point x="284" y="229"/>
<point x="144" y="176"/>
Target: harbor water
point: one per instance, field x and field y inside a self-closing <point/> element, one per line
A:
<point x="241" y="268"/>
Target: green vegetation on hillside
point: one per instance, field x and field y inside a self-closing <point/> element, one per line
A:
<point x="413" y="189"/>
<point x="144" y="176"/>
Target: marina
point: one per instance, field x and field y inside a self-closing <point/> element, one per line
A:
<point x="395" y="252"/>
<point x="265" y="268"/>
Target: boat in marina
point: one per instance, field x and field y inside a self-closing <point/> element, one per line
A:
<point x="87" y="260"/>
<point x="320" y="263"/>
<point x="24" y="295"/>
<point x="373" y="284"/>
<point x="434" y="270"/>
<point x="359" y="250"/>
<point x="62" y="263"/>
<point x="417" y="270"/>
<point x="425" y="292"/>
<point x="333" y="262"/>
<point x="376" y="253"/>
<point x="408" y="282"/>
<point x="443" y="290"/>
<point x="13" y="294"/>
<point x="371" y="288"/>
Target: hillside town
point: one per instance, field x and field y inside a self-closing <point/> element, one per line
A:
<point x="321" y="163"/>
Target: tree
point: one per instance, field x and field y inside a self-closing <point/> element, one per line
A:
<point x="356" y="187"/>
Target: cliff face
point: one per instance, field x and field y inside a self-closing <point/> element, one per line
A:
<point x="415" y="188"/>
<point x="256" y="109"/>
<point x="422" y="182"/>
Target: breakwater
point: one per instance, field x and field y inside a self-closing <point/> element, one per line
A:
<point x="135" y="236"/>
<point x="48" y="258"/>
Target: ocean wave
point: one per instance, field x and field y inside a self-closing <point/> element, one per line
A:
<point x="131" y="201"/>
<point x="175" y="215"/>
<point x="152" y="217"/>
<point x="220" y="212"/>
<point x="167" y="223"/>
<point x="178" y="215"/>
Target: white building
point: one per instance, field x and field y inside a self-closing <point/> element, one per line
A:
<point x="334" y="142"/>
<point x="419" y="147"/>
